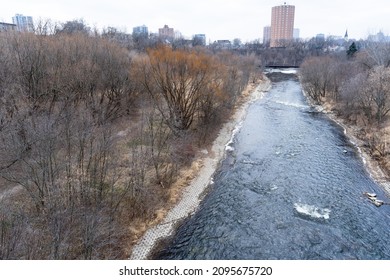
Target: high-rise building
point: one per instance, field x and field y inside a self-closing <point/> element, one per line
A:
<point x="166" y="32"/>
<point x="141" y="31"/>
<point x="23" y="23"/>
<point x="282" y="24"/>
<point x="266" y="34"/>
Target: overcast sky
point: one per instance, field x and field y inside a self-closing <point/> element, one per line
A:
<point x="218" y="19"/>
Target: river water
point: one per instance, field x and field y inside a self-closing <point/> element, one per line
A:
<point x="291" y="188"/>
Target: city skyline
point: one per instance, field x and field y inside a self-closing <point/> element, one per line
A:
<point x="217" y="19"/>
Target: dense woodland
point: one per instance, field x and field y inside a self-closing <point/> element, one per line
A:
<point x="355" y="85"/>
<point x="96" y="127"/>
<point x="94" y="131"/>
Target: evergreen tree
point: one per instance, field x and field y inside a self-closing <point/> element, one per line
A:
<point x="352" y="50"/>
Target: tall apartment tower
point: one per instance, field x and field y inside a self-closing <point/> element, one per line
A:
<point x="23" y="23"/>
<point x="282" y="24"/>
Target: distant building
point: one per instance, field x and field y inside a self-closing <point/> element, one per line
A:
<point x="346" y="35"/>
<point x="296" y="33"/>
<point x="320" y="38"/>
<point x="178" y="35"/>
<point x="223" y="44"/>
<point x="166" y="32"/>
<point x="141" y="31"/>
<point x="23" y="23"/>
<point x="335" y="43"/>
<point x="199" y="40"/>
<point x="266" y="34"/>
<point x="282" y="24"/>
<point x="7" y="26"/>
<point x="379" y="37"/>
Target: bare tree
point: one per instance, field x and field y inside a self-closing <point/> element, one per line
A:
<point x="378" y="87"/>
<point x="175" y="80"/>
<point x="374" y="54"/>
<point x="75" y="26"/>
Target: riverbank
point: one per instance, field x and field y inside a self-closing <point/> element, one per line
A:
<point x="203" y="170"/>
<point x="352" y="132"/>
<point x="292" y="189"/>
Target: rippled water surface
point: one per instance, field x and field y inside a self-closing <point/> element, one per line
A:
<point x="292" y="188"/>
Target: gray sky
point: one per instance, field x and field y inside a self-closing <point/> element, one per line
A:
<point x="218" y="19"/>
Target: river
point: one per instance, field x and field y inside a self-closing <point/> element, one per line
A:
<point x="290" y="188"/>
